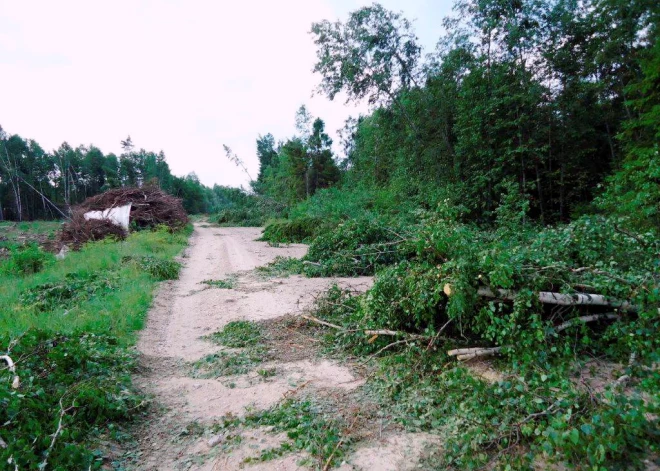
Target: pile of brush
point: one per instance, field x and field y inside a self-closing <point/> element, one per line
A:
<point x="150" y="207"/>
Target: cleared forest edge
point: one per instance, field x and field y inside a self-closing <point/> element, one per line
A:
<point x="179" y="436"/>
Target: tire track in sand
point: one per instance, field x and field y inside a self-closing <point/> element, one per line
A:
<point x="183" y="311"/>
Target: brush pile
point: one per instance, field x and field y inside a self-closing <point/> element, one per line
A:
<point x="79" y="230"/>
<point x="150" y="207"/>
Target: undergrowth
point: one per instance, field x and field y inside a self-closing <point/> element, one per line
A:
<point x="226" y="283"/>
<point x="431" y="295"/>
<point x="246" y="339"/>
<point x="311" y="426"/>
<point x="69" y="328"/>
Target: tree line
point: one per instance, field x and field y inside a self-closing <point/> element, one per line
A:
<point x="557" y="100"/>
<point x="293" y="170"/>
<point x="35" y="184"/>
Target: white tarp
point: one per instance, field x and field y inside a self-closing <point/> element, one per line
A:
<point x="119" y="215"/>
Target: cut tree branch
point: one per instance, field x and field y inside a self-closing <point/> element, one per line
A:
<point x="464" y="354"/>
<point x="548" y="297"/>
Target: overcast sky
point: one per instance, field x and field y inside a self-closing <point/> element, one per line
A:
<point x="184" y="77"/>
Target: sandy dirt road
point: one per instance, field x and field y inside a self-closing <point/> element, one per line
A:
<point x="186" y="310"/>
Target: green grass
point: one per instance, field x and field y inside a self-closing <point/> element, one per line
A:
<point x="227" y="283"/>
<point x="238" y="334"/>
<point x="31" y="227"/>
<point x="118" y="312"/>
<point x="70" y="328"/>
<point x="243" y="335"/>
<point x="13" y="234"/>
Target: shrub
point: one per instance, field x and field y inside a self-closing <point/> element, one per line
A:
<point x="357" y="247"/>
<point x="296" y="230"/>
<point x="27" y="260"/>
<point x="81" y="381"/>
<point x="158" y="268"/>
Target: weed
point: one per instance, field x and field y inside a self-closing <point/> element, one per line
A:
<point x="310" y="426"/>
<point x="26" y="260"/>
<point x="238" y="334"/>
<point x="229" y="363"/>
<point x="160" y="269"/>
<point x="246" y="336"/>
<point x="227" y="283"/>
<point x="75" y="288"/>
<point x="281" y="267"/>
<point x="267" y="372"/>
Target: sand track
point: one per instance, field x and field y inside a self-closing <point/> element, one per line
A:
<point x="185" y="310"/>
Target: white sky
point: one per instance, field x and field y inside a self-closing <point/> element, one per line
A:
<point x="182" y="77"/>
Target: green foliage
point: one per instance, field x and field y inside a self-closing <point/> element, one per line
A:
<point x="238" y="334"/>
<point x="407" y="297"/>
<point x="26" y="260"/>
<point x="633" y="190"/>
<point x="310" y="427"/>
<point x="72" y="290"/>
<point x="297" y="230"/>
<point x="299" y="167"/>
<point x="356" y="247"/>
<point x="78" y="380"/>
<point x="227" y="283"/>
<point x="160" y="269"/>
<point x="536" y="412"/>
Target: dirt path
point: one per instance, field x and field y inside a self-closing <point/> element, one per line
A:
<point x="186" y="310"/>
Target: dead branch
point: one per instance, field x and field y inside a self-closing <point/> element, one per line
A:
<point x="394" y="333"/>
<point x="58" y="431"/>
<point x="386" y="347"/>
<point x="350" y="428"/>
<point x="437" y="335"/>
<point x="319" y="321"/>
<point x="391" y="333"/>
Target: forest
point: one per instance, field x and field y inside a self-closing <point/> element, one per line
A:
<point x="556" y="101"/>
<point x="35" y="184"/>
<point x="504" y="190"/>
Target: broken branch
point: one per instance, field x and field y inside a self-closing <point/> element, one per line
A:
<point x="548" y="297"/>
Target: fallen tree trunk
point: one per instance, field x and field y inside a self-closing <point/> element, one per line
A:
<point x="549" y="297"/>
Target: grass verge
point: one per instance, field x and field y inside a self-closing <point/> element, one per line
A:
<point x="70" y="328"/>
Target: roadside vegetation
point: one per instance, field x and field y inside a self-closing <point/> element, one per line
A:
<point x="504" y="192"/>
<point x="69" y="326"/>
